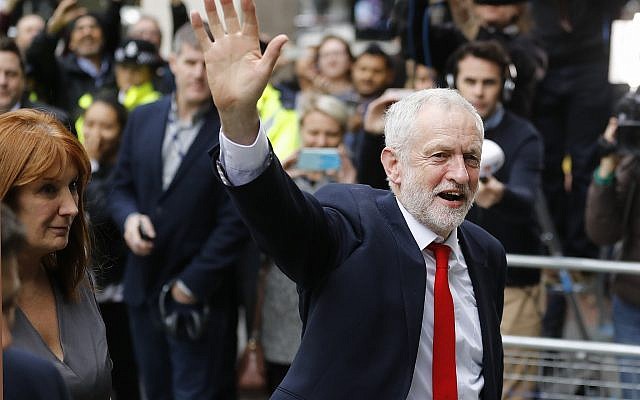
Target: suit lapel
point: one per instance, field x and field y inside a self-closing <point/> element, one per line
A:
<point x="411" y="267"/>
<point x="476" y="258"/>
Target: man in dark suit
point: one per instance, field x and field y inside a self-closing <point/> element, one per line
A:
<point x="13" y="82"/>
<point x="184" y="236"/>
<point x="365" y="260"/>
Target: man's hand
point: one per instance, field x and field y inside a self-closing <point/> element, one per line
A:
<point x="609" y="162"/>
<point x="134" y="226"/>
<point x="236" y="70"/>
<point x="489" y="193"/>
<point x="181" y="296"/>
<point x="374" y="117"/>
<point x="67" y="11"/>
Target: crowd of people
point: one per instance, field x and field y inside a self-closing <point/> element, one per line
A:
<point x="144" y="196"/>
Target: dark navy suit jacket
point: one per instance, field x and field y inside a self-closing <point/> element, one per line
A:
<point x="199" y="234"/>
<point x="361" y="278"/>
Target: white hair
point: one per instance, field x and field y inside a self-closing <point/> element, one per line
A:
<point x="400" y="121"/>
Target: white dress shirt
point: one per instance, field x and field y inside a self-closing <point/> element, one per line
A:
<point x="242" y="164"/>
<point x="468" y="335"/>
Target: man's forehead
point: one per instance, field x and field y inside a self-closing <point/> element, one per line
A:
<point x="439" y="121"/>
<point x="370" y="59"/>
<point x="84" y="21"/>
<point x="9" y="57"/>
<point x="450" y="138"/>
<point x="450" y="114"/>
<point x="187" y="50"/>
<point x="30" y="21"/>
<point x="146" y="24"/>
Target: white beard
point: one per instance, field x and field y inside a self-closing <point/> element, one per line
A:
<point x="422" y="204"/>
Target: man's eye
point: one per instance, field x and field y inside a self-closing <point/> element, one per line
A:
<point x="472" y="161"/>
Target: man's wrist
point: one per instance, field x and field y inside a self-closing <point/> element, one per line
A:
<point x="240" y="127"/>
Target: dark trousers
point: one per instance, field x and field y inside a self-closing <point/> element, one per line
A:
<point x="124" y="374"/>
<point x="181" y="369"/>
<point x="572" y="109"/>
<point x="275" y="374"/>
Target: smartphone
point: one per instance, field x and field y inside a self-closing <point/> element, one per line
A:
<point x="318" y="159"/>
<point x="143" y="234"/>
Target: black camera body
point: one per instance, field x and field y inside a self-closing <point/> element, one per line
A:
<point x="185" y="322"/>
<point x="628" y="133"/>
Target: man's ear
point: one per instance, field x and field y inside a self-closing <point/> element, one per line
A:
<point x="172" y="62"/>
<point x="392" y="165"/>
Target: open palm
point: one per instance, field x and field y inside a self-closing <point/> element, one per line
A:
<point x="237" y="72"/>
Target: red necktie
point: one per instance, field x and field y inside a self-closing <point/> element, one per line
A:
<point x="443" y="370"/>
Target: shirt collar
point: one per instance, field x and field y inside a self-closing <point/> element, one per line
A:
<point x="494" y="119"/>
<point x="88" y="67"/>
<point x="197" y="117"/>
<point x="425" y="236"/>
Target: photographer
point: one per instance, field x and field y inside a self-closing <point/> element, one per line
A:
<point x="613" y="214"/>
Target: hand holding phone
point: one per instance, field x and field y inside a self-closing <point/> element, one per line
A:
<point x="143" y="233"/>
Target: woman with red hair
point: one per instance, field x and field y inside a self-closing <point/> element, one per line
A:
<point x="45" y="171"/>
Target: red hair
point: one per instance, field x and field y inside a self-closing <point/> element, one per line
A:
<point x="33" y="143"/>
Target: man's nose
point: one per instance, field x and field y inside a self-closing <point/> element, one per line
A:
<point x="457" y="170"/>
<point x="200" y="69"/>
<point x="478" y="90"/>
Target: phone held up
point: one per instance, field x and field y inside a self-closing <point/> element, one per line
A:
<point x="318" y="159"/>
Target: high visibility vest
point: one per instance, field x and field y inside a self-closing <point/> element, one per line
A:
<point x="280" y="124"/>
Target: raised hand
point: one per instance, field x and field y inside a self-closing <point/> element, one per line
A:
<point x="237" y="72"/>
<point x="65" y="12"/>
<point x="374" y="117"/>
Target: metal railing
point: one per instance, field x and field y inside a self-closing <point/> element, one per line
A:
<point x="572" y="369"/>
<point x="573" y="263"/>
<point x="565" y="264"/>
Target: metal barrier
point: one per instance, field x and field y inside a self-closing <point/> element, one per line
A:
<point x="570" y="369"/>
<point x="573" y="263"/>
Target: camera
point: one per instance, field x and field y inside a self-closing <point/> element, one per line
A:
<point x="182" y="321"/>
<point x="627" y="111"/>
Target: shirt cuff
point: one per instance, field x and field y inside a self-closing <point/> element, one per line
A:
<point x="242" y="163"/>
